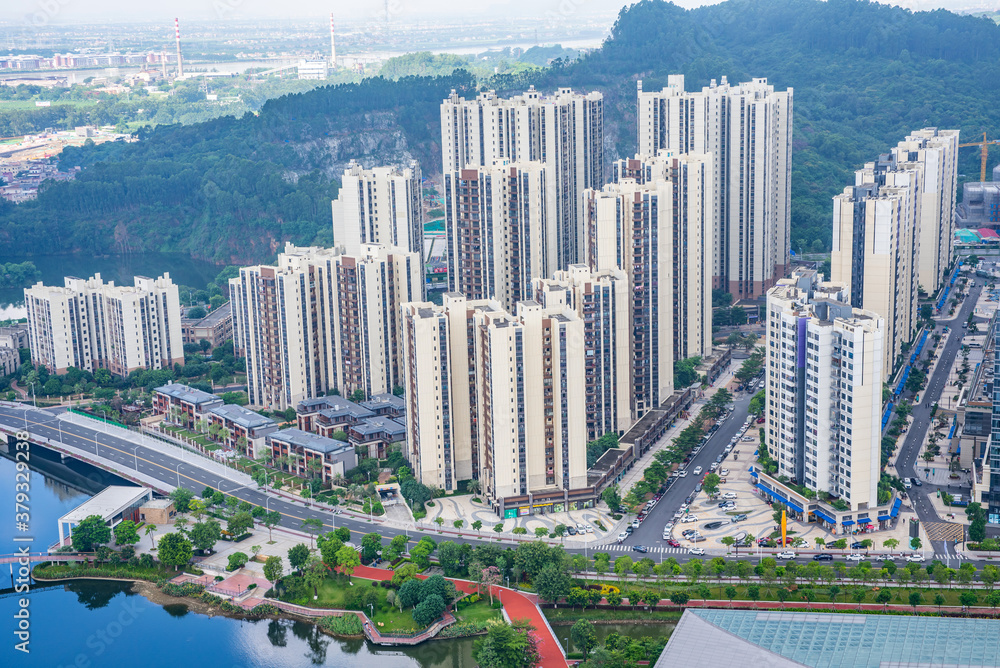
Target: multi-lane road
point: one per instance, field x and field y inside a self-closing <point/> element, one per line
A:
<point x="650" y="531"/>
<point x="907" y="461"/>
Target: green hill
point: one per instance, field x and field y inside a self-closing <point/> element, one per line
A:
<point x="233" y="190"/>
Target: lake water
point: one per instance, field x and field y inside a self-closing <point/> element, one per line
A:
<point x="183" y="269"/>
<point x="91" y="624"/>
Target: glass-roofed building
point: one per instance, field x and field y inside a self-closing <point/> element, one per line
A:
<point x="714" y="637"/>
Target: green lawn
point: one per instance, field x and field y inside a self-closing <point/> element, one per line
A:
<point x="480" y="611"/>
<point x="568" y="614"/>
<point x="9" y="105"/>
<point x="333" y="593"/>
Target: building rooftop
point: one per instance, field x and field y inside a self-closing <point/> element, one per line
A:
<point x="188" y="394"/>
<point x="379" y="425"/>
<point x="158" y="503"/>
<point x="244" y="417"/>
<point x="106" y="504"/>
<point x="380" y="400"/>
<point x="305" y="439"/>
<point x="712" y="637"/>
<point x="214" y="317"/>
<point x="332" y="406"/>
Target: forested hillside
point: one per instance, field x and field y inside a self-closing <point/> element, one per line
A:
<point x="232" y="190"/>
<point x="864" y="74"/>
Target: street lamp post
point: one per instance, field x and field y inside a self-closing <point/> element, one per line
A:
<point x="105" y="414"/>
<point x="177" y="469"/>
<point x="136" y="457"/>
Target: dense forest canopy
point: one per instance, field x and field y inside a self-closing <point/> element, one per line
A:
<point x="233" y="190"/>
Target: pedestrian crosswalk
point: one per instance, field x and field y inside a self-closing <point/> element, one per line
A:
<point x="653" y="549"/>
<point x="618" y="547"/>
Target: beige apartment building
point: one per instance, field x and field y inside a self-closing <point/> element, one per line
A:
<point x="747" y="129"/>
<point x="629" y="228"/>
<point x="525" y="374"/>
<point x="499" y="233"/>
<point x="602" y="301"/>
<point x="880" y="224"/>
<point x="824" y="392"/>
<point x="692" y="232"/>
<point x="382" y="206"/>
<point x="563" y="131"/>
<point x="937" y="151"/>
<point x="321" y="320"/>
<point x="90" y="324"/>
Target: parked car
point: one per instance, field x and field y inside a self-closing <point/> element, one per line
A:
<point x="689" y="499"/>
<point x="729" y="495"/>
<point x="581" y="527"/>
<point x="785" y="555"/>
<point x="713" y="466"/>
<point x="724" y="472"/>
<point x="747" y="439"/>
<point x="688" y="532"/>
<point x="907" y="484"/>
<point x="622" y="536"/>
<point x="915" y="557"/>
<point x="690" y="518"/>
<point x="678" y="515"/>
<point x="700" y="551"/>
<point x="855" y="557"/>
<point x="697" y="470"/>
<point x="635" y="524"/>
<point x="640" y="548"/>
<point x="740" y="518"/>
<point x="697" y="538"/>
<point x="629" y="529"/>
<point x="729" y="505"/>
<point x="760" y="420"/>
<point x="571" y="530"/>
<point x="857" y="545"/>
<point x="823" y="557"/>
<point x="697" y="488"/>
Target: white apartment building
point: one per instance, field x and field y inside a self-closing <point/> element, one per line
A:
<point x="898" y="202"/>
<point x="313" y="69"/>
<point x="602" y="300"/>
<point x="629" y="228"/>
<point x="90" y="324"/>
<point x="381" y="205"/>
<point x="524" y="376"/>
<point x="692" y="227"/>
<point x="937" y="151"/>
<point x="564" y="131"/>
<point x="824" y="389"/>
<point x="321" y="320"/>
<point x="747" y="128"/>
<point x="498" y="231"/>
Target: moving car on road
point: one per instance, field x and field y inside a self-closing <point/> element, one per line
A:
<point x="785" y="555"/>
<point x="697" y="470"/>
<point x="915" y="557"/>
<point x="699" y="551"/>
<point x="823" y="557"/>
<point x="640" y="548"/>
<point x="855" y="557"/>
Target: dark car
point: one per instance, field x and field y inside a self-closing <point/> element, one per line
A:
<point x="629" y="529"/>
<point x="697" y="488"/>
<point x="571" y="531"/>
<point x="722" y="503"/>
<point x="740" y="518"/>
<point x="689" y="499"/>
<point x="640" y="548"/>
<point x="857" y="545"/>
<point x="823" y="557"/>
<point x="673" y="543"/>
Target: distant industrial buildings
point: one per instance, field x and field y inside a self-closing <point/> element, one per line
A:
<point x="980" y="205"/>
<point x="90" y="325"/>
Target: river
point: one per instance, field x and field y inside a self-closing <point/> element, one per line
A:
<point x="183" y="269"/>
<point x="90" y="624"/>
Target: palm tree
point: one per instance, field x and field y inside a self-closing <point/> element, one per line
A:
<point x="150" y="530"/>
<point x="473" y="487"/>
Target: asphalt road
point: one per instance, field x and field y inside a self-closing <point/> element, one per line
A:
<point x="650" y="531"/>
<point x="907" y="461"/>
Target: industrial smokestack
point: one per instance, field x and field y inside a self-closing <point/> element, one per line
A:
<point x="333" y="44"/>
<point x="180" y="64"/>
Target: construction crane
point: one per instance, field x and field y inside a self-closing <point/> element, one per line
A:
<point x="983" y="145"/>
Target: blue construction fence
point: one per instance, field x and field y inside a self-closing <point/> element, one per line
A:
<point x="909" y="365"/>
<point x="947" y="288"/>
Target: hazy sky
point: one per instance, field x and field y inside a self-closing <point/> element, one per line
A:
<point x="73" y="11"/>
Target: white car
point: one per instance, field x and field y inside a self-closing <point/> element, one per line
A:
<point x="590" y="529"/>
<point x="682" y="473"/>
<point x="622" y="536"/>
<point x="785" y="555"/>
<point x="714" y="466"/>
<point x="635" y="524"/>
<point x="729" y="495"/>
<point x="697" y="470"/>
<point x="690" y="518"/>
<point x="907" y="484"/>
<point x="678" y="515"/>
<point x="700" y="551"/>
<point x="668" y="526"/>
<point x="729" y="448"/>
<point x="724" y="472"/>
<point x="801" y="543"/>
<point x="855" y="557"/>
<point x="915" y="557"/>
